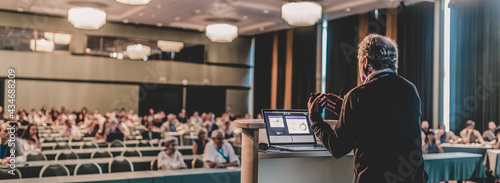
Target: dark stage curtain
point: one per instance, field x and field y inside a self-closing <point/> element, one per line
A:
<point x="342" y="62"/>
<point x="474" y="63"/>
<point x="304" y="65"/>
<point x="262" y="70"/>
<point x="415" y="43"/>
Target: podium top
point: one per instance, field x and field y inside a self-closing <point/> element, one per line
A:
<point x="250" y="123"/>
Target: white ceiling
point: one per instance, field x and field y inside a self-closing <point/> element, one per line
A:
<point x="251" y="16"/>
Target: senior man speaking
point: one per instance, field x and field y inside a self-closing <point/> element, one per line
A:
<point x="379" y="120"/>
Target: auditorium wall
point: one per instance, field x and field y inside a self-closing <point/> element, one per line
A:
<point x="75" y="70"/>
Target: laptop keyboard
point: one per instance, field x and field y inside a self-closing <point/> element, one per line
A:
<point x="303" y="145"/>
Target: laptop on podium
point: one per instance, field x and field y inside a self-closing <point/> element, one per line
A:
<point x="290" y="130"/>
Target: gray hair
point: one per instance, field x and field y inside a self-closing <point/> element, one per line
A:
<point x="169" y="141"/>
<point x="215" y="132"/>
<point x="381" y="51"/>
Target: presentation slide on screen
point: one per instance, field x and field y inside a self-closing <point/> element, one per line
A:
<point x="276" y="122"/>
<point x="297" y="125"/>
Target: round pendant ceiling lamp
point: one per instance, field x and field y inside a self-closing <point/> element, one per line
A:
<point x="87" y="18"/>
<point x="221" y="32"/>
<point x="138" y="51"/>
<point x="301" y="13"/>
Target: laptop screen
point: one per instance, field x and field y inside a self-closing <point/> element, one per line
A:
<point x="288" y="127"/>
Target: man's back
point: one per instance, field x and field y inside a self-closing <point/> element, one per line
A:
<point x="387" y="132"/>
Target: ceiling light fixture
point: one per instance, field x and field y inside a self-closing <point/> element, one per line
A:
<point x="134" y="2"/>
<point x="221" y="32"/>
<point x="170" y="46"/>
<point x="301" y="13"/>
<point x="87" y="18"/>
<point x="138" y="51"/>
<point x="42" y="45"/>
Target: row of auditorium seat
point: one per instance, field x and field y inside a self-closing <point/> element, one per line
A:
<point x="112" y="144"/>
<point x="63" y="155"/>
<point x="117" y="164"/>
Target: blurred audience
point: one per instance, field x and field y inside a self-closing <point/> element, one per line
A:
<point x="489" y="135"/>
<point x="219" y="153"/>
<point x="445" y="137"/>
<point x="30" y="139"/>
<point x="430" y="145"/>
<point x="5" y="136"/>
<point x="112" y="131"/>
<point x="200" y="142"/>
<point x="470" y="135"/>
<point x="171" y="158"/>
<point x="149" y="134"/>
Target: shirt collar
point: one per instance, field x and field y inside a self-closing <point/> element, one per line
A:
<point x="375" y="73"/>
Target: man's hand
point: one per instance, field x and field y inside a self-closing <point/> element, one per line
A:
<point x="334" y="103"/>
<point x="316" y="104"/>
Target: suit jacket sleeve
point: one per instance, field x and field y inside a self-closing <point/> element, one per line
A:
<point x="338" y="141"/>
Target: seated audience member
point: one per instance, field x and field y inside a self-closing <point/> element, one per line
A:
<point x="69" y="131"/>
<point x="209" y="123"/>
<point x="113" y="130"/>
<point x="5" y="136"/>
<point x="430" y="145"/>
<point x="33" y="117"/>
<point x="470" y="135"/>
<point x="200" y="142"/>
<point x="171" y="158"/>
<point x="170" y="125"/>
<point x="23" y="121"/>
<point x="133" y="117"/>
<point x="219" y="153"/>
<point x="82" y="116"/>
<point x="228" y="130"/>
<point x="196" y="119"/>
<point x="30" y="139"/>
<point x="259" y="116"/>
<point x="424" y="128"/>
<point x="496" y="143"/>
<point x="489" y="135"/>
<point x="149" y="134"/>
<point x="445" y="137"/>
<point x="157" y="121"/>
<point x="93" y="127"/>
<point x="101" y="134"/>
<point x="182" y="118"/>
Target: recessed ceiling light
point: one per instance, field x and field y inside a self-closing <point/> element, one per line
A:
<point x="141" y="14"/>
<point x="158" y="6"/>
<point x="245" y="17"/>
<point x="348" y="9"/>
<point x="20" y="9"/>
<point x="197" y="11"/>
<point x="125" y="20"/>
<point x="266" y="11"/>
<point x="261" y="28"/>
<point x="177" y="18"/>
<point x="159" y="24"/>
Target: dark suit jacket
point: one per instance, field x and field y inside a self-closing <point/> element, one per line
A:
<point x="155" y="135"/>
<point x="380" y="121"/>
